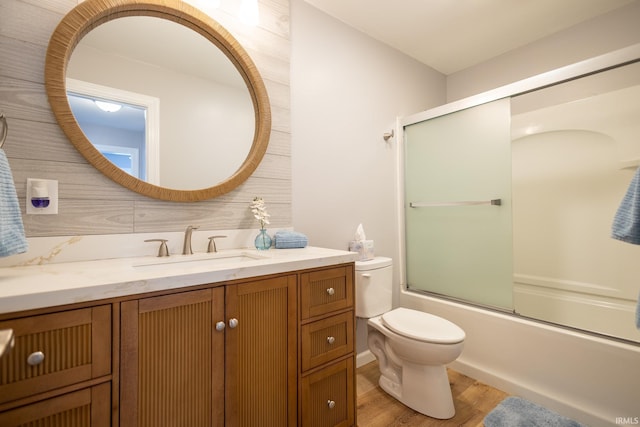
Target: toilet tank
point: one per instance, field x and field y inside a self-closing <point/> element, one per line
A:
<point x="374" y="285"/>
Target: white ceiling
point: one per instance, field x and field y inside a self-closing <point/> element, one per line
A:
<point x="451" y="35"/>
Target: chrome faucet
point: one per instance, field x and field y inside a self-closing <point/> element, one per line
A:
<point x="186" y="247"/>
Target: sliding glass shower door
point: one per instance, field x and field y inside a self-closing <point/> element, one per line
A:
<point x="458" y="205"/>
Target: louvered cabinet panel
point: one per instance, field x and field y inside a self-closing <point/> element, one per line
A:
<point x="89" y="407"/>
<point x="172" y="360"/>
<point x="328" y="398"/>
<point x="324" y="291"/>
<point x="261" y="369"/>
<point x="327" y="339"/>
<point x="56" y="350"/>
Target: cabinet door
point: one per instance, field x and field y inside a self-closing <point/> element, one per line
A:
<point x="90" y="407"/>
<point x="261" y="353"/>
<point x="172" y="362"/>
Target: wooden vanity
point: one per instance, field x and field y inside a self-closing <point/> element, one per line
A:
<point x="274" y="349"/>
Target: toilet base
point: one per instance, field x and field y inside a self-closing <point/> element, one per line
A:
<point x="424" y="389"/>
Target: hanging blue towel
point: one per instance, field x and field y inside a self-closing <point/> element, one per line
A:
<point x="12" y="238"/>
<point x="290" y="240"/>
<point x="626" y="224"/>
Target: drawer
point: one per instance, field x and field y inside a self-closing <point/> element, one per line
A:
<point x="324" y="291"/>
<point x="90" y="407"/>
<point x="327" y="339"/>
<point x="73" y="346"/>
<point x="328" y="397"/>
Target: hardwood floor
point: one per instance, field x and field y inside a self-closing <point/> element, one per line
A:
<point x="472" y="399"/>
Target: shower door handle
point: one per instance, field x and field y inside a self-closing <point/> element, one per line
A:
<point x="492" y="202"/>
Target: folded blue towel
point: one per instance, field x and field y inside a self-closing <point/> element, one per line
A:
<point x="626" y="223"/>
<point x="12" y="238"/>
<point x="290" y="240"/>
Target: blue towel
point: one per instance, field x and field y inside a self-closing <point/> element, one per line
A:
<point x="12" y="238"/>
<point x="290" y="240"/>
<point x="626" y="223"/>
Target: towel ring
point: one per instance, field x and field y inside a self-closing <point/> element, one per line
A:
<point x="5" y="129"/>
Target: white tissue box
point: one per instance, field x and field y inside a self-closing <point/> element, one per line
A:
<point x="363" y="247"/>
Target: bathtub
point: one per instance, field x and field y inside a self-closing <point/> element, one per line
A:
<point x="585" y="377"/>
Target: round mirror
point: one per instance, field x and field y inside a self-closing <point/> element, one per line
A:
<point x="177" y="112"/>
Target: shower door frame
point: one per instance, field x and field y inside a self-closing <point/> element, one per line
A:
<point x="584" y="68"/>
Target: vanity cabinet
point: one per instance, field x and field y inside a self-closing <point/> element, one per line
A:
<point x="274" y="350"/>
<point x="327" y="353"/>
<point x="59" y="371"/>
<point x="218" y="356"/>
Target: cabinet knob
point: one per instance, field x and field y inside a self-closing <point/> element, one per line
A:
<point x="220" y="326"/>
<point x="233" y="323"/>
<point x="331" y="291"/>
<point x="35" y="358"/>
<point x="331" y="404"/>
<point x="331" y="340"/>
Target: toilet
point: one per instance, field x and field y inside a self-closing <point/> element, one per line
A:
<point x="412" y="347"/>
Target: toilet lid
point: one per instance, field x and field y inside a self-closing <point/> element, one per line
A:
<point x="422" y="326"/>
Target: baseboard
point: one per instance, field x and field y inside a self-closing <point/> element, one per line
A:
<point x="364" y="358"/>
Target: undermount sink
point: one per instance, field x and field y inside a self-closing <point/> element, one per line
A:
<point x="206" y="258"/>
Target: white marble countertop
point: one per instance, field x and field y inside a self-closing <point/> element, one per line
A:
<point x="39" y="286"/>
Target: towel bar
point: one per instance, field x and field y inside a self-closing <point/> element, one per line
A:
<point x="494" y="202"/>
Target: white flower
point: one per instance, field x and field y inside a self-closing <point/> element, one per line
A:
<point x="260" y="211"/>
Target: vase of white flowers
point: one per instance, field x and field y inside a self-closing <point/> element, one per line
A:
<point x="263" y="240"/>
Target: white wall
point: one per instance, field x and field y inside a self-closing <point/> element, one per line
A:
<point x="346" y="92"/>
<point x="614" y="30"/>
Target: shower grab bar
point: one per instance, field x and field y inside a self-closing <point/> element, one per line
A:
<point x="493" y="202"/>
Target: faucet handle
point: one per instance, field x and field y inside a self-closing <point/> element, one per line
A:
<point x="212" y="243"/>
<point x="164" y="250"/>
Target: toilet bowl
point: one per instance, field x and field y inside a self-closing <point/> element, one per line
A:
<point x="412" y="347"/>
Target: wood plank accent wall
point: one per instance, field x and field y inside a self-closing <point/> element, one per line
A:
<point x="90" y="203"/>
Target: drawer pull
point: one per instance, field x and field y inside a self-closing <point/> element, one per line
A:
<point x="331" y="404"/>
<point x="233" y="323"/>
<point x="331" y="340"/>
<point x="220" y="326"/>
<point x="331" y="291"/>
<point x="35" y="358"/>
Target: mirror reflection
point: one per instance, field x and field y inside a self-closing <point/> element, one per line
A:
<point x="186" y="115"/>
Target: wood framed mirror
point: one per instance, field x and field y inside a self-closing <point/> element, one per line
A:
<point x="90" y="15"/>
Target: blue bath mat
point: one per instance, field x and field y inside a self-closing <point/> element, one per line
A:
<point x="518" y="412"/>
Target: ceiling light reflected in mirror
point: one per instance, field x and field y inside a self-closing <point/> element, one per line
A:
<point x="108" y="107"/>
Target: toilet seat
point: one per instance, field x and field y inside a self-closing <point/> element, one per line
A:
<point x="422" y="326"/>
